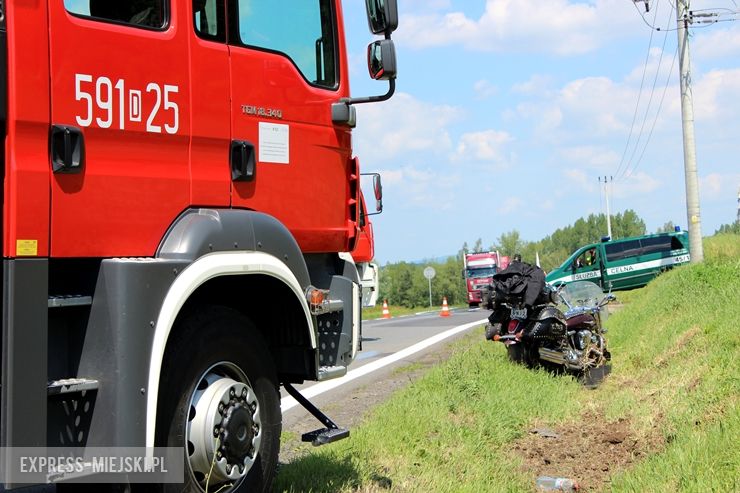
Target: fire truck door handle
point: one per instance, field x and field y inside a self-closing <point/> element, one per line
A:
<point x="243" y="164"/>
<point x="67" y="146"/>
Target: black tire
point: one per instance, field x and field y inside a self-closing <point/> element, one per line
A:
<point x="219" y="339"/>
<point x="517" y="353"/>
<point x="473" y="305"/>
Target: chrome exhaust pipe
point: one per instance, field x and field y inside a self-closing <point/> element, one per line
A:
<point x="552" y="356"/>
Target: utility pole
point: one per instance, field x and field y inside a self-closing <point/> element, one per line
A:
<point x="608" y="213"/>
<point x="689" y="144"/>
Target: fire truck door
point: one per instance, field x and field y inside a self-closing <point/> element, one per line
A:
<point x="120" y="125"/>
<point x="285" y="75"/>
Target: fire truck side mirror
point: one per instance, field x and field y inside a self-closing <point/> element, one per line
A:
<point x="381" y="59"/>
<point x="378" y="187"/>
<point x="377" y="191"/>
<point x="382" y="16"/>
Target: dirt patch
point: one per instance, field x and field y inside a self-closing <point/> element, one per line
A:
<point x="588" y="451"/>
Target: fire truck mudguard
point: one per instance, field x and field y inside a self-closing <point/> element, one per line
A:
<point x="195" y="275"/>
<point x="200" y="231"/>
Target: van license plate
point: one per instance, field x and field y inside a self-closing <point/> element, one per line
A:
<point x="519" y="313"/>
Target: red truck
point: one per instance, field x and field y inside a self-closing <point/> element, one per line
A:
<point x="478" y="272"/>
<point x="180" y="199"/>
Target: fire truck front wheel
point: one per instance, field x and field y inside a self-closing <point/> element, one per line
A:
<point x="219" y="400"/>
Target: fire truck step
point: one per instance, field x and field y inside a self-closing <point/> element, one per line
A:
<point x="325" y="435"/>
<point x="330" y="434"/>
<point x="71" y="385"/>
<point x="70" y="300"/>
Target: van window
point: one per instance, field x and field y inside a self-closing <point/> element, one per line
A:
<point x="656" y="244"/>
<point x="302" y="30"/>
<point x="676" y="243"/>
<point x="588" y="258"/>
<point x="622" y="249"/>
<point x="140" y="13"/>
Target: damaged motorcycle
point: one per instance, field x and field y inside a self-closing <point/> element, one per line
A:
<point x="562" y="329"/>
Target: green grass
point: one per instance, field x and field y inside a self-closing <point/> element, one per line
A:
<point x="675" y="380"/>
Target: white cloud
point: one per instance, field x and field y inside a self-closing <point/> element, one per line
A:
<point x="717" y="97"/>
<point x="711" y="184"/>
<point x="718" y="186"/>
<point x="509" y="205"/>
<point x="537" y="84"/>
<point x="596" y="109"/>
<point x="552" y="26"/>
<point x="484" y="89"/>
<point x="402" y="126"/>
<point x="635" y="184"/>
<point x="425" y="188"/>
<point x="417" y="5"/>
<point x="592" y="157"/>
<point x="583" y="181"/>
<point x="592" y="101"/>
<point x="664" y="62"/>
<point x="487" y="145"/>
<point x="599" y="108"/>
<point x="717" y="43"/>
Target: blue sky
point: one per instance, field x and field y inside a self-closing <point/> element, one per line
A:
<point x="508" y="111"/>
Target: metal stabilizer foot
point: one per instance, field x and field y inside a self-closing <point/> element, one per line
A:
<point x="594" y="376"/>
<point x="322" y="436"/>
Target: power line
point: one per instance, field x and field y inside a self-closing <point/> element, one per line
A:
<point x="650" y="100"/>
<point x="657" y="114"/>
<point x="639" y="95"/>
<point x="642" y="16"/>
<point x="699" y="18"/>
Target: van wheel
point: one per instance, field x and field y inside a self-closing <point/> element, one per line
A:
<point x="219" y="401"/>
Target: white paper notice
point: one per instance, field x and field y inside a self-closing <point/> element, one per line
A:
<point x="274" y="143"/>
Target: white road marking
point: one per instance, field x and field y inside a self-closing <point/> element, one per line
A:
<point x="288" y="402"/>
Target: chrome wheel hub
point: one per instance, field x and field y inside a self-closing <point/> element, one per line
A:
<point x="224" y="428"/>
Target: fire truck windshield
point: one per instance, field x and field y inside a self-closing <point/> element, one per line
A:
<point x="480" y="272"/>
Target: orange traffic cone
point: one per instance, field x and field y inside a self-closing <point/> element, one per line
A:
<point x="445" y="309"/>
<point x="386" y="312"/>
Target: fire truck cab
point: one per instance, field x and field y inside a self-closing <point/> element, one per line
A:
<point x="179" y="198"/>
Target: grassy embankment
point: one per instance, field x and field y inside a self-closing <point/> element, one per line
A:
<point x="674" y="387"/>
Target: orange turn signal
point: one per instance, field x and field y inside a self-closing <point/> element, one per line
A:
<point x="316" y="297"/>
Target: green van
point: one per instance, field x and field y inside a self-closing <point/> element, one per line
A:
<point x="625" y="263"/>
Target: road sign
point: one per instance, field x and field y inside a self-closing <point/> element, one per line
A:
<point x="429" y="273"/>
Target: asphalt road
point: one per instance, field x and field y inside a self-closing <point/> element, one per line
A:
<point x="386" y="345"/>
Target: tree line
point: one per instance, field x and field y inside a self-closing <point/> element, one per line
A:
<point x="404" y="284"/>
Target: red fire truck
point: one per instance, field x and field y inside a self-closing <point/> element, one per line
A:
<point x="478" y="272"/>
<point x="180" y="197"/>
